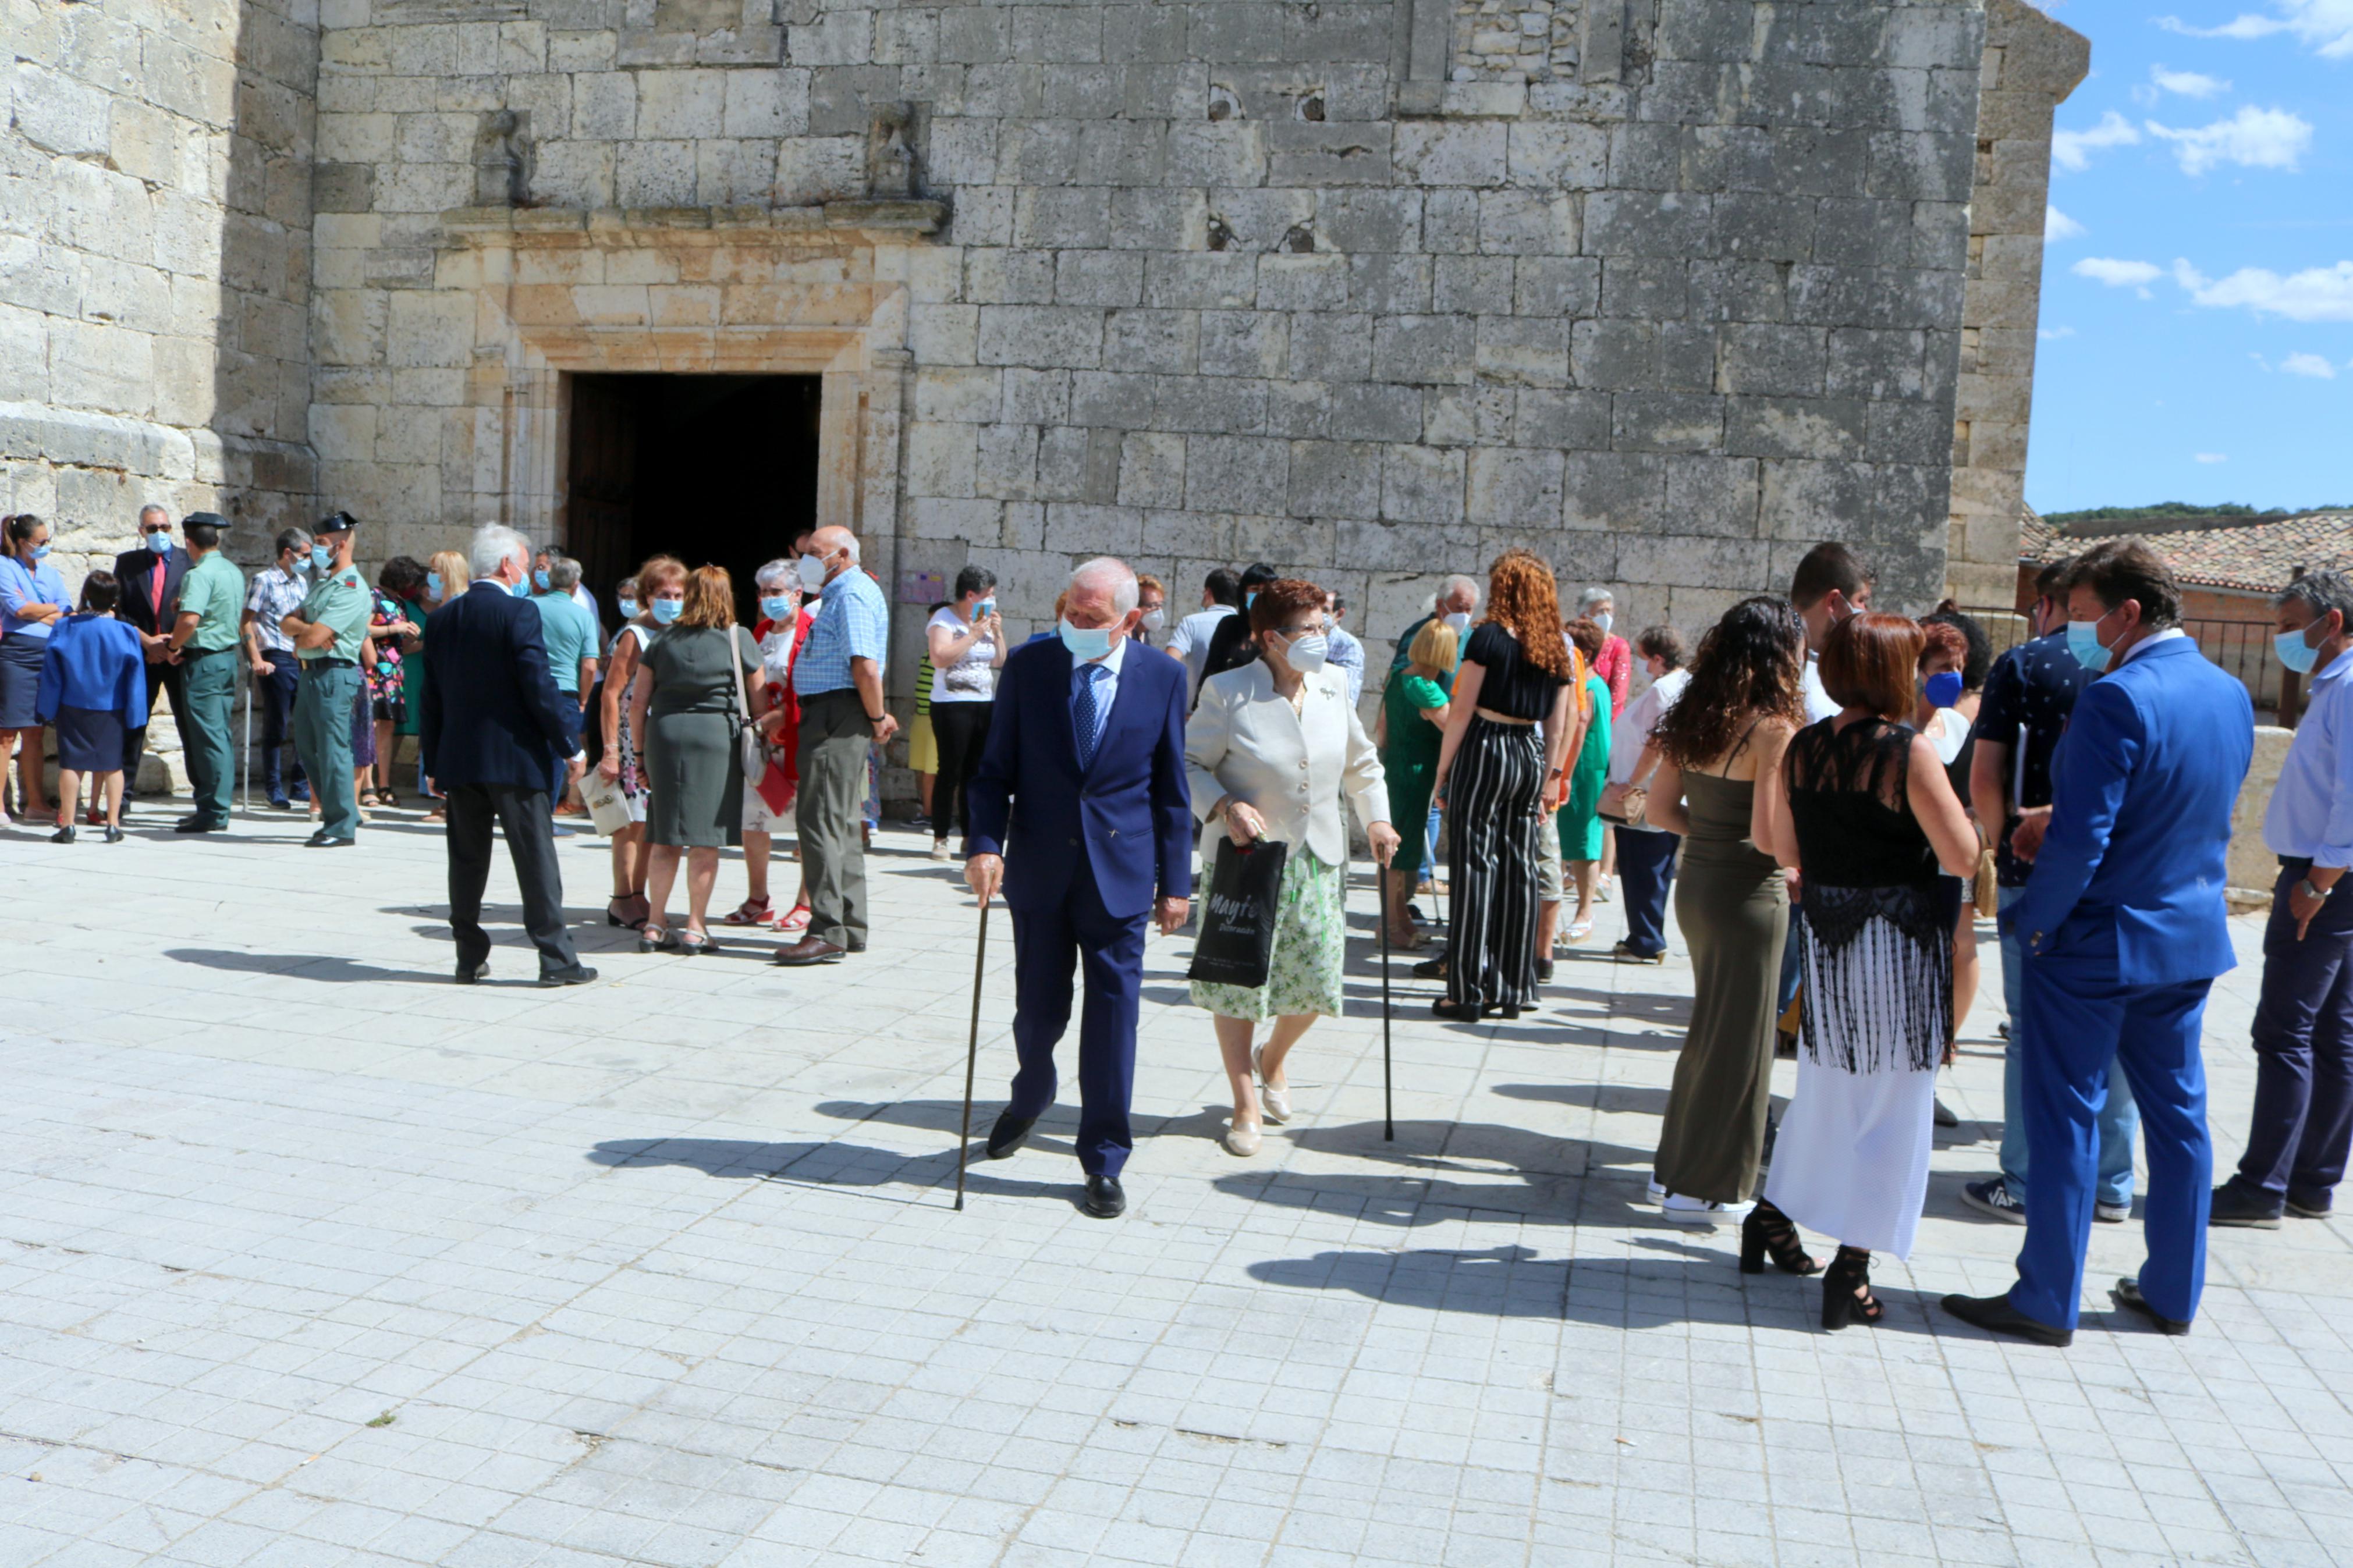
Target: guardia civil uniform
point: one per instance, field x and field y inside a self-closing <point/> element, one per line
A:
<point x="213" y="591"/>
<point x="329" y="687"/>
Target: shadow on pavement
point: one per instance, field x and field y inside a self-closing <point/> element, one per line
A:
<point x="832" y="1164"/>
<point x="323" y="967"/>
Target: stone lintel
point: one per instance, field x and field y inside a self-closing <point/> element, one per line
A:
<point x="883" y="222"/>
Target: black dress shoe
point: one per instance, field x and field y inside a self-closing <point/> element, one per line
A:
<point x="114" y="836"/>
<point x="2311" y="1207"/>
<point x="1105" y="1199"/>
<point x="63" y="836"/>
<point x="468" y="973"/>
<point x="808" y="951"/>
<point x="1431" y="968"/>
<point x="322" y="839"/>
<point x="197" y="824"/>
<point x="2126" y="1293"/>
<point x="1007" y="1135"/>
<point x="1996" y="1315"/>
<point x="578" y="975"/>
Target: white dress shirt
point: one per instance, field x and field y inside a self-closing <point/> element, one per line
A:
<point x="1818" y="705"/>
<point x="1106" y="685"/>
<point x="2311" y="813"/>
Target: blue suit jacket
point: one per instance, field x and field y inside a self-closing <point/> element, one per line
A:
<point x="491" y="713"/>
<point x="1132" y="807"/>
<point x="2142" y="788"/>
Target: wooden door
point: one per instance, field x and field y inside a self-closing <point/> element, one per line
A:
<point x="602" y="480"/>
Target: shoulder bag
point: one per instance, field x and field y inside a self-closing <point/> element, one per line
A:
<point x="747" y="739"/>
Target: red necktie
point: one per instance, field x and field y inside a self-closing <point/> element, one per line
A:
<point x="156" y="589"/>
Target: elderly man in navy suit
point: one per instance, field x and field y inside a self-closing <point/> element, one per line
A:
<point x="2124" y="929"/>
<point x="1082" y="787"/>
<point x="494" y="733"/>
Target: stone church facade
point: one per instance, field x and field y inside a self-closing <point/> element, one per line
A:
<point x="1667" y="289"/>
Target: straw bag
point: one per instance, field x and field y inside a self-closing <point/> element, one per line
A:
<point x="1624" y="804"/>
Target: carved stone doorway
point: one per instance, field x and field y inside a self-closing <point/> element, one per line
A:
<point x="714" y="469"/>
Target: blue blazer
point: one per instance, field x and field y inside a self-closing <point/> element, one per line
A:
<point x="2143" y="785"/>
<point x="491" y="713"/>
<point x="94" y="661"/>
<point x="1133" y="807"/>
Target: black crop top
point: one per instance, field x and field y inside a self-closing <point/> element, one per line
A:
<point x="1510" y="686"/>
<point x="1849" y="803"/>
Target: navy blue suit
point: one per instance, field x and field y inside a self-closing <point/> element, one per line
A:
<point x="2123" y="929"/>
<point x="1086" y="851"/>
<point x="493" y="731"/>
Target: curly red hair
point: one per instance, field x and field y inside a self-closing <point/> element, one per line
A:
<point x="1524" y="599"/>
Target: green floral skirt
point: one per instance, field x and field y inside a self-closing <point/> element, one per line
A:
<point x="1311" y="948"/>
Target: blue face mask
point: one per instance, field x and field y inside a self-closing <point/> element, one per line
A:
<point x="1944" y="688"/>
<point x="39" y="550"/>
<point x="777" y="608"/>
<point x="1250" y="598"/>
<point x="538" y="581"/>
<point x="433" y="584"/>
<point x="322" y="558"/>
<point x="986" y="606"/>
<point x="160" y="541"/>
<point x="628" y="609"/>
<point x="2295" y="652"/>
<point x="1086" y="643"/>
<point x="521" y="590"/>
<point x="2083" y="642"/>
<point x="666" y="610"/>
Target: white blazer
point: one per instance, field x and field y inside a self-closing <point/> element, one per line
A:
<point x="1244" y="741"/>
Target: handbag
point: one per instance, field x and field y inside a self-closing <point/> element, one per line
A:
<point x="1236" y="946"/>
<point x="748" y="743"/>
<point x="1624" y="804"/>
<point x="608" y="811"/>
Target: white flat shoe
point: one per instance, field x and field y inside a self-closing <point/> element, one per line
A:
<point x="1693" y="1211"/>
<point x="1241" y="1138"/>
<point x="1655" y="1193"/>
<point x="1274" y="1104"/>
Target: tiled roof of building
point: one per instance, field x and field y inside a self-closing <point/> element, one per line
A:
<point x="2254" y="554"/>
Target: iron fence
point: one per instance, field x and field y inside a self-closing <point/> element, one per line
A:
<point x="2242" y="647"/>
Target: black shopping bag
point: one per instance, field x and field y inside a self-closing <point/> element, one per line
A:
<point x="1237" y="940"/>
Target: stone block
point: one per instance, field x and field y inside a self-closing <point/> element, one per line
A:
<point x="1165" y="341"/>
<point x="1466" y="415"/>
<point x="1424" y="350"/>
<point x="1921" y="166"/>
<point x="1563" y="286"/>
<point x="1612" y="354"/>
<point x="1819" y="161"/>
<point x="1526" y="222"/>
<point x="1088" y="530"/>
<point x="1803" y="499"/>
<point x="1740" y="564"/>
<point x="1877" y="365"/>
<point x="1717" y="30"/>
<point x="1514" y="487"/>
<point x="1575" y="421"/>
<point x="1317" y="282"/>
<point x="1355" y="221"/>
<point x="1375" y="411"/>
<point x="1322" y="152"/>
<point x="964" y="395"/>
<point x="1440" y="152"/>
<point x="1152" y="470"/>
<point x="1036" y="396"/>
<point x="1098" y="277"/>
<point x="1643" y="288"/>
<point x="1520" y="351"/>
<point x="1078" y="218"/>
<point x="1053" y="335"/>
<point x="1616" y="490"/>
<point x="56" y="113"/>
<point x="1727" y="158"/>
<point x="1795" y="427"/>
<point x="1912" y="433"/>
<point x="1212" y="405"/>
<point x="1005" y="461"/>
<point x="1641" y="223"/>
<point x="1113" y="398"/>
<point x="1201" y="280"/>
<point x="996" y="277"/>
<point x="1713" y="495"/>
<point x="1556" y="156"/>
<point x="1421" y="484"/>
<point x="1298" y="410"/>
<point x="1159" y="219"/>
<point x="1469" y="285"/>
<point x="1237" y="474"/>
<point x="1121" y="153"/>
<point x="1230" y="153"/>
<point x="1331" y="346"/>
<point x="1243" y="343"/>
<point x="1390" y="284"/>
<point x="1334" y="479"/>
<point x="1772" y="361"/>
<point x="944" y="335"/>
<point x="1666" y="422"/>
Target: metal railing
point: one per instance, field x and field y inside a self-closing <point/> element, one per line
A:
<point x="2242" y="647"/>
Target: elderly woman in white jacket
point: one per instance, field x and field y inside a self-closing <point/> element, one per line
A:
<point x="1270" y="750"/>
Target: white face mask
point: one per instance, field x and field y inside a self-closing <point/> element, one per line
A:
<point x="1460" y="621"/>
<point x="1154" y="618"/>
<point x="812" y="570"/>
<point x="1605" y="620"/>
<point x="1309" y="653"/>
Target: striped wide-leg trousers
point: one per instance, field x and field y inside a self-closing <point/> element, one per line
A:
<point x="1492" y="822"/>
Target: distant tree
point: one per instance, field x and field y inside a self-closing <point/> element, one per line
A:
<point x="2169" y="509"/>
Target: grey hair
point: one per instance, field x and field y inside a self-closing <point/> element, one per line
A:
<point x="774" y="575"/>
<point x="158" y="509"/>
<point x="2321" y="592"/>
<point x="295" y="539"/>
<point x="1124" y="593"/>
<point x="562" y="573"/>
<point x="1592" y="596"/>
<point x="851" y="547"/>
<point x="1459" y="582"/>
<point x="493" y="546"/>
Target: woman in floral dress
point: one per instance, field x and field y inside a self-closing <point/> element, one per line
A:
<point x="385" y="698"/>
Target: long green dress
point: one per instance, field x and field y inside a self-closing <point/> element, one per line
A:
<point x="1409" y="759"/>
<point x="1580" y="817"/>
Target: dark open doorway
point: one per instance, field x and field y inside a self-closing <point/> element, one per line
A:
<point x="717" y="469"/>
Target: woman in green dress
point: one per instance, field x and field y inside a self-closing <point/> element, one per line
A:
<point x="1582" y="832"/>
<point x="684" y="703"/>
<point x="1409" y="730"/>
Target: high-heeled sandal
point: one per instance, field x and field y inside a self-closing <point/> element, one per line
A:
<point x="614" y="917"/>
<point x="1846" y="1292"/>
<point x="751" y="912"/>
<point x="1766" y="1230"/>
<point x="1461" y="1012"/>
<point x="656" y="938"/>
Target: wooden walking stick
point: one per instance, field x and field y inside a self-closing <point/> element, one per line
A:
<point x="1389" y="1107"/>
<point x="972" y="1052"/>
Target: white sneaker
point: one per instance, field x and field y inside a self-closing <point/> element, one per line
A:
<point x="1693" y="1211"/>
<point x="1652" y="1191"/>
<point x="939" y="848"/>
<point x="1274" y="1104"/>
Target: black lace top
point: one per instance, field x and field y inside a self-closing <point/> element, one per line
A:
<point x="1855" y="827"/>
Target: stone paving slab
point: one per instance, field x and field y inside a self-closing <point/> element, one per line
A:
<point x="309" y="1258"/>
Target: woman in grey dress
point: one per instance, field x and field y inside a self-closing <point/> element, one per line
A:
<point x="684" y="708"/>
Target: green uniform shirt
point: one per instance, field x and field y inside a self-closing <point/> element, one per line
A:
<point x="214" y="589"/>
<point x="342" y="602"/>
<point x="570" y="635"/>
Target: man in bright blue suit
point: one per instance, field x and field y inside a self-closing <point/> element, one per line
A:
<point x="2124" y="930"/>
<point x="1082" y="787"/>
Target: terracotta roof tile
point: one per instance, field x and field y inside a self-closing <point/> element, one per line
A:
<point x="2256" y="556"/>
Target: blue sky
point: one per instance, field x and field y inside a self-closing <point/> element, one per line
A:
<point x="2198" y="282"/>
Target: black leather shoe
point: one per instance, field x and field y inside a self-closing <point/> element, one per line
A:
<point x="197" y="824"/>
<point x="2126" y="1293"/>
<point x="468" y="973"/>
<point x="63" y="836"/>
<point x="1104" y="1199"/>
<point x="322" y="839"/>
<point x="1007" y="1135"/>
<point x="2233" y="1205"/>
<point x="578" y="975"/>
<point x="2311" y="1207"/>
<point x="808" y="951"/>
<point x="1996" y="1315"/>
<point x="1431" y="968"/>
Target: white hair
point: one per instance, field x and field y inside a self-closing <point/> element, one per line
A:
<point x="1109" y="570"/>
<point x="774" y="575"/>
<point x="852" y="547"/>
<point x="493" y="545"/>
<point x="1592" y="596"/>
<point x="1458" y="583"/>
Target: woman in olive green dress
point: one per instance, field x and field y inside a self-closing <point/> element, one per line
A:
<point x="683" y="703"/>
<point x="1580" y="817"/>
<point x="1409" y="730"/>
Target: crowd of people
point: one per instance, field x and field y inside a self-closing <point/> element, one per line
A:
<point x="1831" y="795"/>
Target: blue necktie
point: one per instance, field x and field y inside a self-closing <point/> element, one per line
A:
<point x="1082" y="713"/>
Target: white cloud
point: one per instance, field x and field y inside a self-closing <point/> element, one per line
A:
<point x="2186" y="84"/>
<point x="2074" y="149"/>
<point x="2314" y="294"/>
<point x="2309" y="364"/>
<point x="2254" y="138"/>
<point x="2057" y="225"/>
<point x="2211" y="457"/>
<point x="2116" y="274"/>
<point x="2324" y="27"/>
<point x="2053" y="335"/>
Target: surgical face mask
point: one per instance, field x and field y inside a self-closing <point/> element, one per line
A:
<point x="2083" y="642"/>
<point x="2295" y="652"/>
<point x="1459" y="620"/>
<point x="1944" y="688"/>
<point x="39" y="550"/>
<point x="1605" y="620"/>
<point x="433" y="584"/>
<point x="321" y="557"/>
<point x="160" y="541"/>
<point x="1086" y="643"/>
<point x="666" y="610"/>
<point x="986" y="606"/>
<point x="1308" y="652"/>
<point x="776" y="606"/>
<point x="630" y="610"/>
<point x="1154" y="618"/>
<point x="521" y="590"/>
<point x="1250" y="598"/>
<point x="538" y="581"/>
<point x="812" y="569"/>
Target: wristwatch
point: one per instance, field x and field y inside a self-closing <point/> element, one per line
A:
<point x="2317" y="895"/>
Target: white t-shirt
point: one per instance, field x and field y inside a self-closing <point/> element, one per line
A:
<point x="972" y="678"/>
<point x="1818" y="705"/>
<point x="1190" y="641"/>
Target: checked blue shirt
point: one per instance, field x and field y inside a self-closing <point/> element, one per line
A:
<point x="853" y="621"/>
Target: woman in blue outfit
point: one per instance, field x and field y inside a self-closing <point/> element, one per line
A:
<point x="32" y="597"/>
<point x="93" y="688"/>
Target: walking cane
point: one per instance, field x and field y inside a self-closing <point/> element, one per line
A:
<point x="972" y="1051"/>
<point x="249" y="751"/>
<point x="1389" y="1107"/>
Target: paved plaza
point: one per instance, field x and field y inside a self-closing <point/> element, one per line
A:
<point x="312" y="1258"/>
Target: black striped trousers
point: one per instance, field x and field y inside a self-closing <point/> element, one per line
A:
<point x="1493" y="821"/>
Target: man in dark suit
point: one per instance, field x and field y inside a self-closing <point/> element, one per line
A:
<point x="2123" y="929"/>
<point x="150" y="578"/>
<point x="1082" y="787"/>
<point x="493" y="731"/>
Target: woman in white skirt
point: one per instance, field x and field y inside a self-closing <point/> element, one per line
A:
<point x="1862" y="810"/>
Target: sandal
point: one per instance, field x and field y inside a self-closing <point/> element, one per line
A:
<point x="1461" y="1012"/>
<point x="795" y="920"/>
<point x="613" y="918"/>
<point x="1578" y="931"/>
<point x="656" y="938"/>
<point x="690" y="942"/>
<point x="1409" y="940"/>
<point x="1766" y="1230"/>
<point x="1846" y="1290"/>
<point x="752" y="912"/>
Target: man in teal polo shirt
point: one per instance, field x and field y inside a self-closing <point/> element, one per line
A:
<point x="327" y="632"/>
<point x="203" y="635"/>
